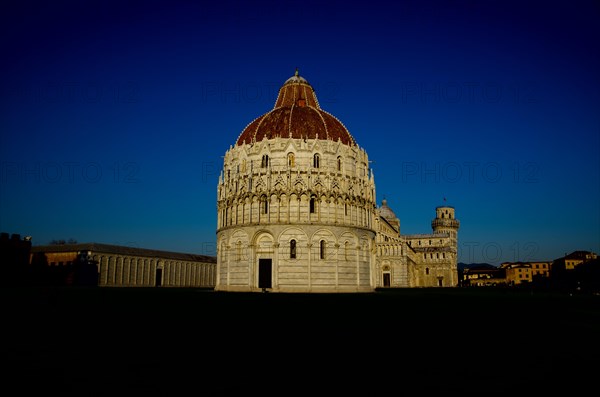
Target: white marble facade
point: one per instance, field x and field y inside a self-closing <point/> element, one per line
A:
<point x="297" y="211"/>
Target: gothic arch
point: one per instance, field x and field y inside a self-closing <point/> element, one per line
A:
<point x="331" y="244"/>
<point x="286" y="236"/>
<point x="264" y="237"/>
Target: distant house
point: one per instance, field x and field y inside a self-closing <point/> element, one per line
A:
<point x="540" y="269"/>
<point x="526" y="272"/>
<point x="575" y="258"/>
<point x="517" y="272"/>
<point x="577" y="271"/>
<point x="482" y="274"/>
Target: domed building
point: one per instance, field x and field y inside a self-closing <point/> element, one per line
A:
<point x="297" y="210"/>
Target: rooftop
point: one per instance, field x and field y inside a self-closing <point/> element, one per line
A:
<point x="122" y="250"/>
<point x="297" y="115"/>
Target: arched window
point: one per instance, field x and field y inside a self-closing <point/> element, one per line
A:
<point x="293" y="249"/>
<point x="312" y="205"/>
<point x="265" y="161"/>
<point x="346" y="250"/>
<point x="239" y="250"/>
<point x="264" y="205"/>
<point x="322" y="246"/>
<point x="316" y="160"/>
<point x="291" y="160"/>
<point x="339" y="163"/>
<point x="426" y="270"/>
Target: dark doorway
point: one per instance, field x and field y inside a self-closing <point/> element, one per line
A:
<point x="158" y="277"/>
<point x="264" y="273"/>
<point x="386" y="279"/>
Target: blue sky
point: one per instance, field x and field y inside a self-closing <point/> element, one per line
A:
<point x="114" y="115"/>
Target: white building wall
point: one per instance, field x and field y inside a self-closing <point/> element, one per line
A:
<point x="329" y="199"/>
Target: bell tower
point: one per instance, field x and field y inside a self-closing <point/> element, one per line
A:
<point x="445" y="222"/>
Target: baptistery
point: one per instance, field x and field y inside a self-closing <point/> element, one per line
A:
<point x="296" y="202"/>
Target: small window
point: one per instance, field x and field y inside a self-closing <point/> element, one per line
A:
<point x="316" y="160"/>
<point x="265" y="161"/>
<point x="291" y="160"/>
<point x="339" y="163"/>
<point x="312" y="205"/>
<point x="426" y="270"/>
<point x="322" y="249"/>
<point x="264" y="205"/>
<point x="293" y="249"/>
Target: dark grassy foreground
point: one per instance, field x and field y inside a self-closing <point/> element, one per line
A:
<point x="175" y="342"/>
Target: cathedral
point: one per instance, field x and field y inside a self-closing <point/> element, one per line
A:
<point x="297" y="211"/>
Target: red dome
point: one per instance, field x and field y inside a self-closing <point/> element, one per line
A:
<point x="297" y="115"/>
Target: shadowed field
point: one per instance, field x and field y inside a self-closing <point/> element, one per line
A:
<point x="172" y="342"/>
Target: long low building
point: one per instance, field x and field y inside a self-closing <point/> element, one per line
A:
<point x="121" y="266"/>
